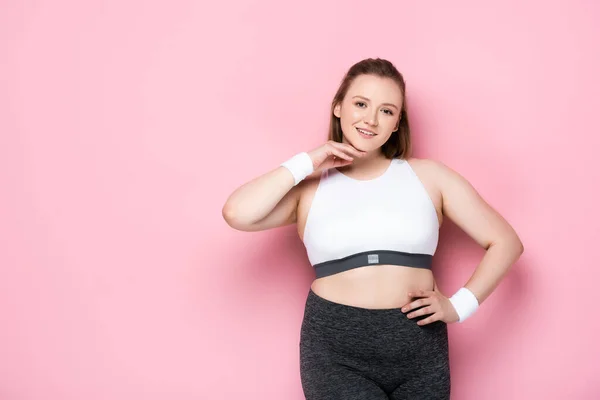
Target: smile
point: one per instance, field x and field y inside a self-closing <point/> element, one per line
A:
<point x="365" y="132"/>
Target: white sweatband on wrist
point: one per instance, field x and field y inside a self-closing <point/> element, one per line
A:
<point x="465" y="303"/>
<point x="300" y="166"/>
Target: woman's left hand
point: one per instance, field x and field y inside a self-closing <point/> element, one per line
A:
<point x="434" y="303"/>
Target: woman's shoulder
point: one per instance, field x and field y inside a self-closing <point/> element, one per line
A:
<point x="309" y="184"/>
<point x="437" y="172"/>
<point x="429" y="165"/>
<point x="431" y="171"/>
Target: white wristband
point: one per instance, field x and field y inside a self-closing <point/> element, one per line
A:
<point x="465" y="303"/>
<point x="300" y="166"/>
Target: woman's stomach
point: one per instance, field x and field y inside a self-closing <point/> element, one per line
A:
<point x="374" y="286"/>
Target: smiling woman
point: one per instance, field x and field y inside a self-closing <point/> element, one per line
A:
<point x="369" y="216"/>
<point x="371" y="105"/>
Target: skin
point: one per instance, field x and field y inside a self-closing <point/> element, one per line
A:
<point x="389" y="286"/>
<point x="272" y="200"/>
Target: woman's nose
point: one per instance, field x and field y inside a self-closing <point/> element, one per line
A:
<point x="372" y="118"/>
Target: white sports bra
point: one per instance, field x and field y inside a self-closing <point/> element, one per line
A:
<point x="386" y="220"/>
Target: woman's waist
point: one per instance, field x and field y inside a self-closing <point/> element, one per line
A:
<point x="374" y="286"/>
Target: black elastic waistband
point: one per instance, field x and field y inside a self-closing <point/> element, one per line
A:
<point x="374" y="257"/>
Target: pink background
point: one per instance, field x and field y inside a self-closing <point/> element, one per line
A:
<point x="125" y="126"/>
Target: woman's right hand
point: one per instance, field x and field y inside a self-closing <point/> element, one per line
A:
<point x="333" y="154"/>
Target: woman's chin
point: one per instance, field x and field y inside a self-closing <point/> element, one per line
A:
<point x="364" y="145"/>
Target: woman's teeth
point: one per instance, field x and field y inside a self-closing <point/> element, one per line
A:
<point x="365" y="132"/>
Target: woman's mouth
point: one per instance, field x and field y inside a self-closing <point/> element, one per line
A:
<point x="366" y="134"/>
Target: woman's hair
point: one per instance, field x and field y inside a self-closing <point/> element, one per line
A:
<point x="399" y="144"/>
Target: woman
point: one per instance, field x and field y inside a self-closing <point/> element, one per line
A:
<point x="375" y="323"/>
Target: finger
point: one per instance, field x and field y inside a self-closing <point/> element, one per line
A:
<point x="421" y="311"/>
<point x="349" y="149"/>
<point x="417" y="303"/>
<point x="338" y="153"/>
<point x="354" y="150"/>
<point x="339" y="162"/>
<point x="430" y="319"/>
<point x="417" y="294"/>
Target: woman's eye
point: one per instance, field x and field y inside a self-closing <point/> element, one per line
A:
<point x="360" y="104"/>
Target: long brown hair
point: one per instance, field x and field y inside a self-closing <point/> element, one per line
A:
<point x="399" y="143"/>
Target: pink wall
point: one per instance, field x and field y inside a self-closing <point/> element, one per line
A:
<point x="125" y="126"/>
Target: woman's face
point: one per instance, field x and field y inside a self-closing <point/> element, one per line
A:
<point x="372" y="104"/>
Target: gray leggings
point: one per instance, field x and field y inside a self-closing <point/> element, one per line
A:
<point x="354" y="353"/>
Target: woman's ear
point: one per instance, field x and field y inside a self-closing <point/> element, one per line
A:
<point x="337" y="109"/>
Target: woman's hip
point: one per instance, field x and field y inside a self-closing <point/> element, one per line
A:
<point x="371" y="333"/>
<point x="381" y="344"/>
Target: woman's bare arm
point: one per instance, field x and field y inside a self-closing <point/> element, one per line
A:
<point x="465" y="207"/>
<point x="268" y="201"/>
<point x="271" y="200"/>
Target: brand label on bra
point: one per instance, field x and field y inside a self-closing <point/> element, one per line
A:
<point x="373" y="258"/>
